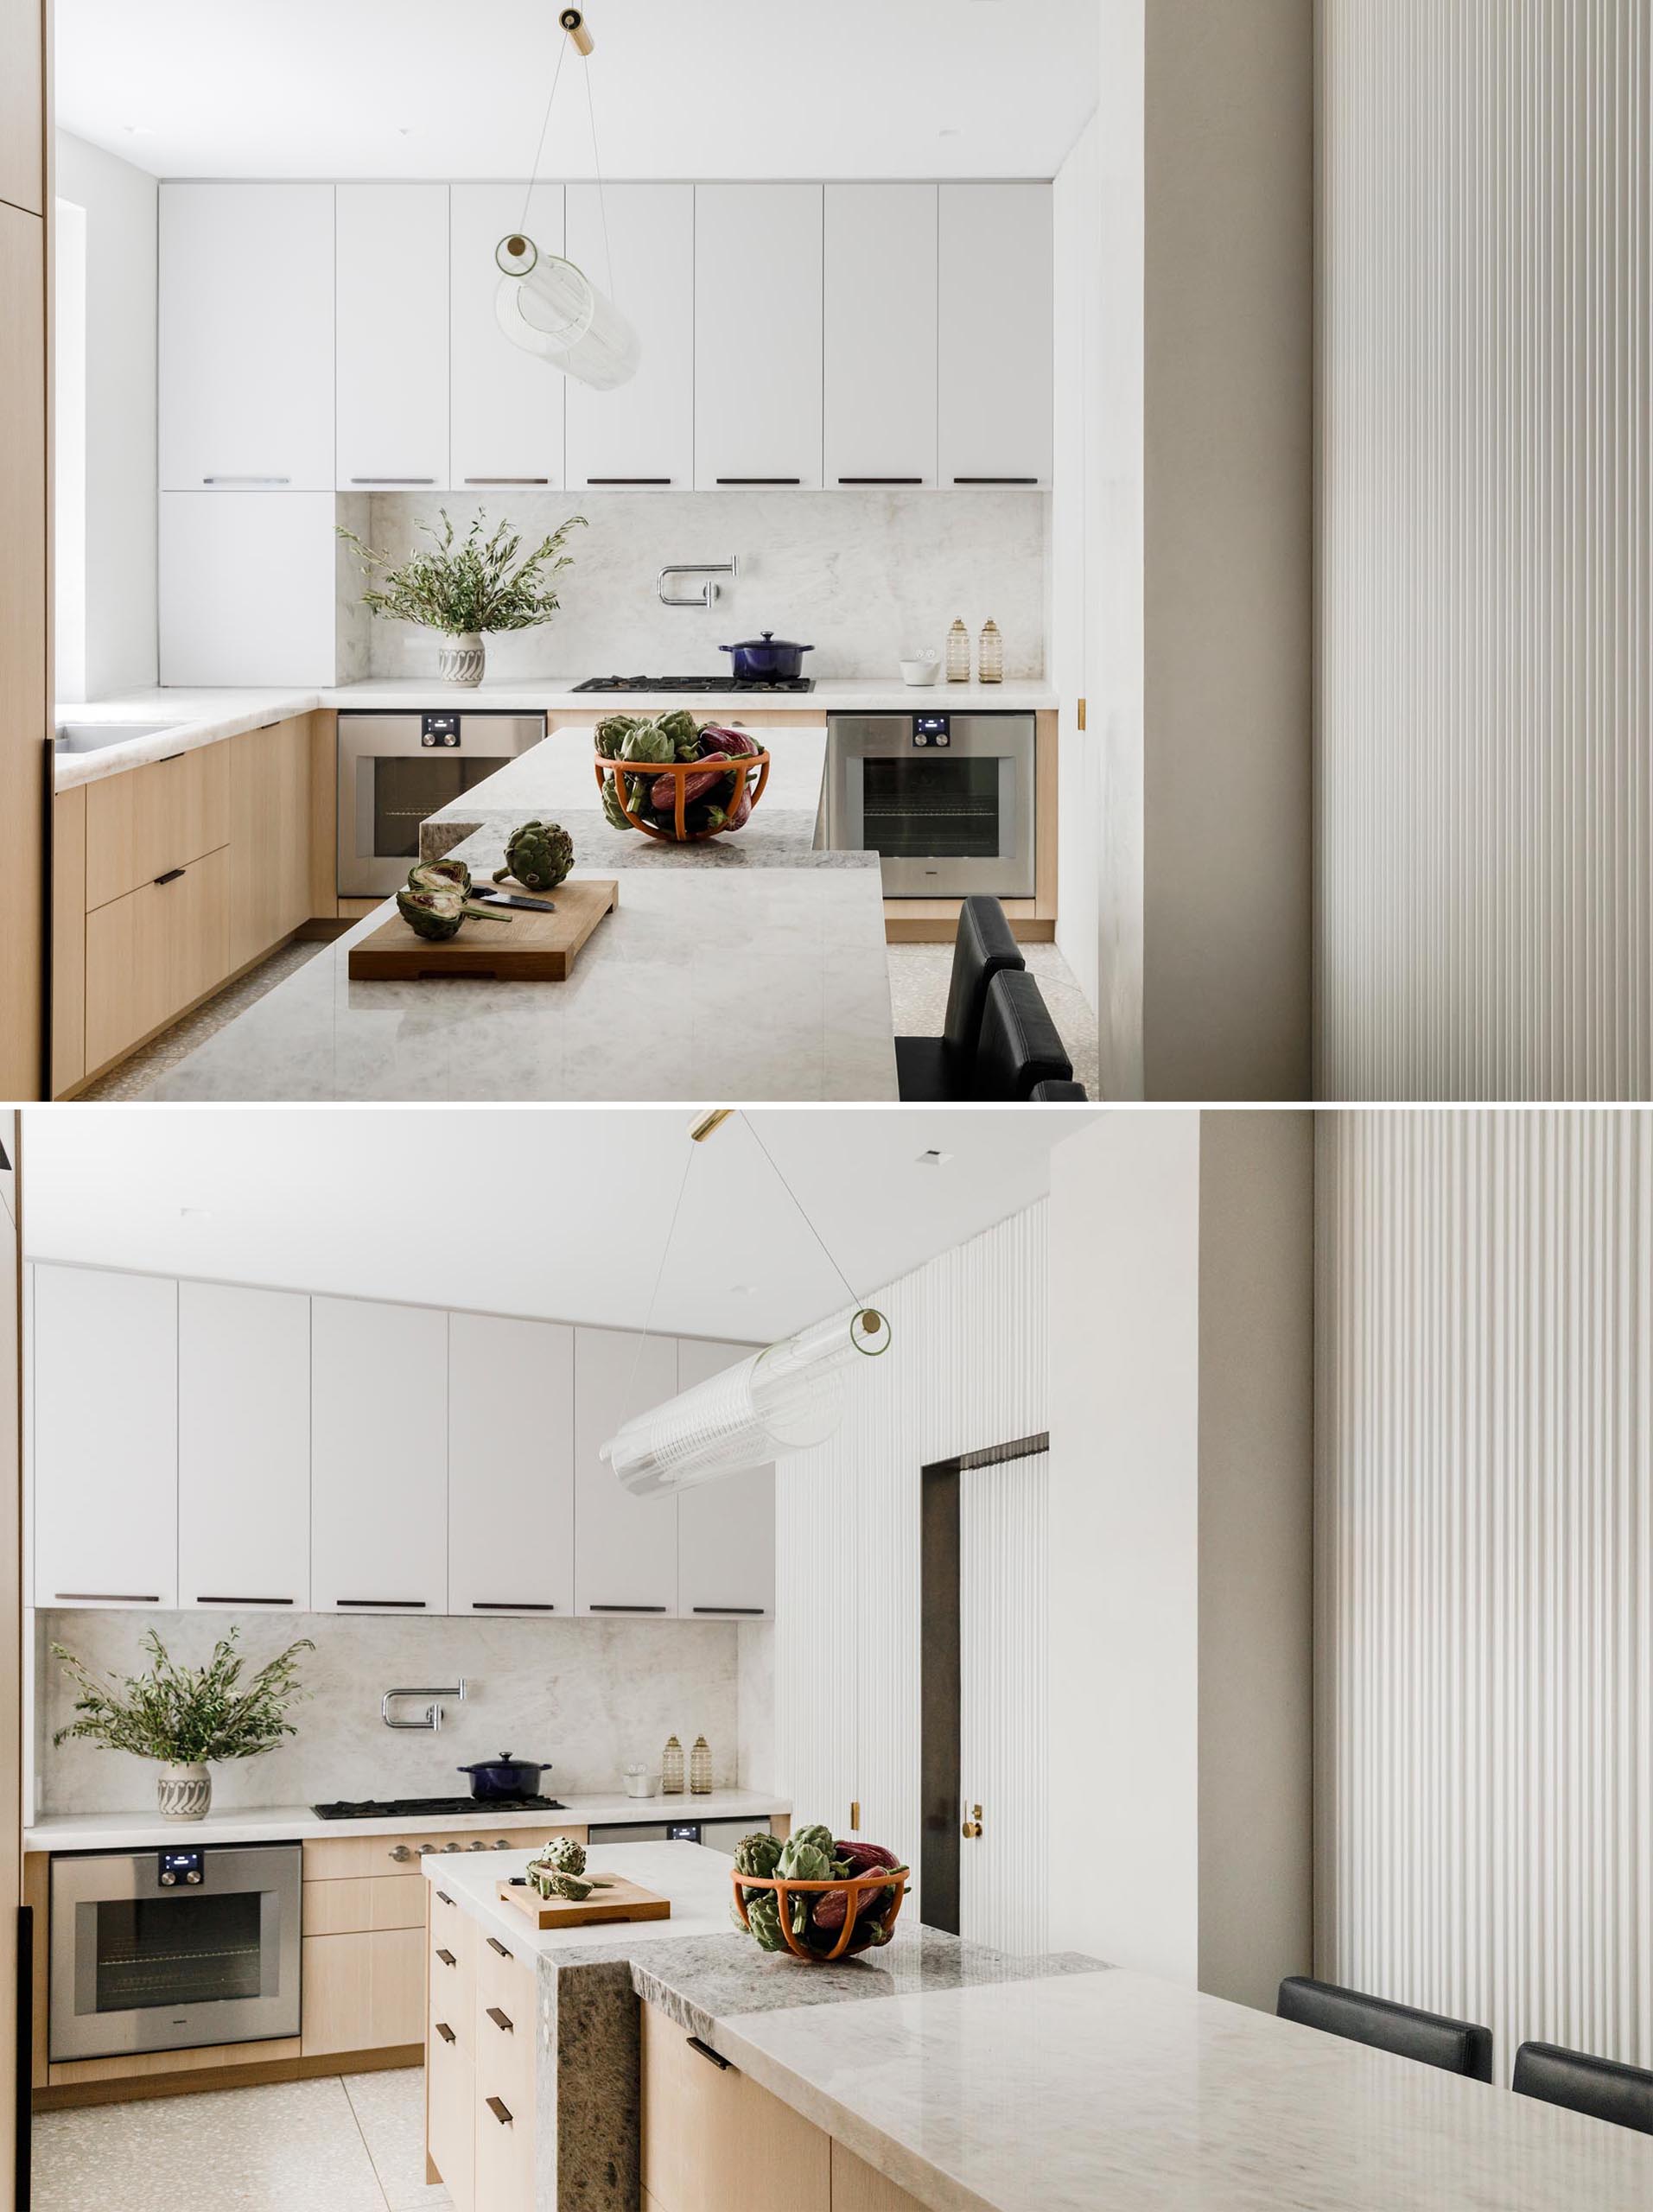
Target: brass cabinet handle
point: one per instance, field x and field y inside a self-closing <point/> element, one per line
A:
<point x="446" y="1958"/>
<point x="502" y="2021"/>
<point x="972" y="1827"/>
<point x="501" y="2111"/>
<point x="445" y="2031"/>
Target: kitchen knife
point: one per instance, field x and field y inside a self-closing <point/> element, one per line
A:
<point x="513" y="899"/>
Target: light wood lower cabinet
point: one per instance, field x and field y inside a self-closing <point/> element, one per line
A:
<point x="153" y="952"/>
<point x="714" y="2141"/>
<point x="480" y="2072"/>
<point x="362" y="1992"/>
<point x="450" y="2098"/>
<point x="69" y="940"/>
<point x="269" y="836"/>
<point x="146" y="821"/>
<point x="857" y="2187"/>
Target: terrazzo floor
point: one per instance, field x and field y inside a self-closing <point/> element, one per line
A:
<point x="351" y="2145"/>
<point x="918" y="978"/>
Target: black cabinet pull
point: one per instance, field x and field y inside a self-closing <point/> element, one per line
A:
<point x="501" y="2020"/>
<point x="995" y="479"/>
<point x="444" y="1896"/>
<point x="244" y="1601"/>
<point x="171" y="875"/>
<point x="501" y="2113"/>
<point x="628" y="1609"/>
<point x="511" y="1605"/>
<point x="706" y="2051"/>
<point x="760" y="480"/>
<point x="446" y="1958"/>
<point x="755" y="1612"/>
<point x="444" y="2032"/>
<point x="595" y="483"/>
<point x="495" y="1944"/>
<point x="104" y="1598"/>
<point x="385" y="1605"/>
<point x="880" y="479"/>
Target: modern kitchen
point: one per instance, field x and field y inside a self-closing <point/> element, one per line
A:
<point x="312" y="384"/>
<point x="576" y="1696"/>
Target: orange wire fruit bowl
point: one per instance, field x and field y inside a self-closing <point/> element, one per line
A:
<point x="861" y="1929"/>
<point x="637" y="782"/>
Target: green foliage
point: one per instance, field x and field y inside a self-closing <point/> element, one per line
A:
<point x="182" y="1714"/>
<point x="461" y="585"/>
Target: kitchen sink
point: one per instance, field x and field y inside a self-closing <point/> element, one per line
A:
<point x="94" y="737"/>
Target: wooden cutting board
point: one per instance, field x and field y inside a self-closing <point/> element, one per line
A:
<point x="518" y="947"/>
<point x="621" y="1900"/>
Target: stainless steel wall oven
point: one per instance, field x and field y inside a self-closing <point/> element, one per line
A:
<point x="396" y="769"/>
<point x="174" y="1947"/>
<point x="946" y="800"/>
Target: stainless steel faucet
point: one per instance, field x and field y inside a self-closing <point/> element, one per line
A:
<point x="706" y="596"/>
<point x="432" y="1718"/>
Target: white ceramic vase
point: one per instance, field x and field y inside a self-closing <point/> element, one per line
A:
<point x="183" y="1793"/>
<point x="459" y="659"/>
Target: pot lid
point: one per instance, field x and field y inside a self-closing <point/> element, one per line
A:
<point x="486" y="1766"/>
<point x="769" y="642"/>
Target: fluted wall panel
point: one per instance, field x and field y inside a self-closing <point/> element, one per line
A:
<point x="1484" y="765"/>
<point x="966" y="1368"/>
<point x="1485" y="1533"/>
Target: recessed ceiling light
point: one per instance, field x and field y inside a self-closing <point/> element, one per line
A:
<point x="950" y="131"/>
<point x="743" y="1290"/>
<point x="194" y="1213"/>
<point x="934" y="1158"/>
<point x="138" y="130"/>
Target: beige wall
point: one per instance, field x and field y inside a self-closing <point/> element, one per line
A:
<point x="1181" y="1546"/>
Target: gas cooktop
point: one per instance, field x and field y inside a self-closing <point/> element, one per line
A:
<point x="432" y="1808"/>
<point x="694" y="684"/>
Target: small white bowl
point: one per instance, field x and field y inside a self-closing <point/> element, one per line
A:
<point x="920" y="673"/>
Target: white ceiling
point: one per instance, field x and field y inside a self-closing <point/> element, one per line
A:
<point x="562" y="1213"/>
<point x="681" y="88"/>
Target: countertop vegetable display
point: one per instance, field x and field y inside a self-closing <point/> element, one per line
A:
<point x="815" y="1917"/>
<point x="718" y="797"/>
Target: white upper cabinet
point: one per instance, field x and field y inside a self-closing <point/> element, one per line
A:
<point x="248" y="587"/>
<point x="379" y="1457"/>
<point x="726" y="1529"/>
<point x="626" y="1546"/>
<point x="245" y="336"/>
<point x="244" y="1446"/>
<point x="509" y="1465"/>
<point x="507" y="405"/>
<point x="644" y="433"/>
<point x="994" y="352"/>
<point x="881" y="334"/>
<point x="393" y="333"/>
<point x="758" y="334"/>
<point x="105" y="1439"/>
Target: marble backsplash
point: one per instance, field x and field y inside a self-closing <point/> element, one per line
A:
<point x="863" y="576"/>
<point x="589" y="1695"/>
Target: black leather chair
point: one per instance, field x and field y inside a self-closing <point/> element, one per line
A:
<point x="1600" y="2087"/>
<point x="1020" y="1047"/>
<point x="943" y="1067"/>
<point x="1456" y="2046"/>
<point x="1059" y="1094"/>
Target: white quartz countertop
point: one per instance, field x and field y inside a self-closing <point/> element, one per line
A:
<point x="750" y="967"/>
<point x="195" y="717"/>
<point x="139" y="1831"/>
<point x="982" y="2082"/>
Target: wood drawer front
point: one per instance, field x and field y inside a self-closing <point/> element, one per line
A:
<point x="141" y="823"/>
<point x="270" y="840"/>
<point x="69" y="940"/>
<point x="153" y="953"/>
<point x="364" y="1991"/>
<point x="504" y="2025"/>
<point x="505" y="2150"/>
<point x="365" y="1904"/>
<point x="714" y="2141"/>
<point x="329" y="1859"/>
<point x="452" y="1968"/>
<point x="450" y="2109"/>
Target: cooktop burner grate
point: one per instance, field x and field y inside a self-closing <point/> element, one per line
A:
<point x="694" y="684"/>
<point x="431" y="1808"/>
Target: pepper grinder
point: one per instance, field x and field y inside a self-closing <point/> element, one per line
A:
<point x="989" y="667"/>
<point x="958" y="653"/>
<point x="671" y="1768"/>
<point x="700" y="1769"/>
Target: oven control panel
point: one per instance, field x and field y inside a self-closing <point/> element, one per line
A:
<point x="439" y="730"/>
<point x="181" y="1869"/>
<point x="933" y="730"/>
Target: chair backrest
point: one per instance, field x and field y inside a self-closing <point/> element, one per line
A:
<point x="1600" y="2087"/>
<point x="1457" y="2046"/>
<point x="1020" y="1046"/>
<point x="984" y="944"/>
<point x="1059" y="1094"/>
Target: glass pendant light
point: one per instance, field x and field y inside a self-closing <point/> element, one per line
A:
<point x="548" y="307"/>
<point x="783" y="1399"/>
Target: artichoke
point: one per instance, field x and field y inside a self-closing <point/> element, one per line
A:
<point x="611" y="805"/>
<point x="813" y="1835"/>
<point x="757" y="1853"/>
<point x="538" y="854"/>
<point x="683" y="730"/>
<point x="763" y="1914"/>
<point x="648" y="741"/>
<point x="563" y="1855"/>
<point x="612" y="732"/>
<point x="439" y="875"/>
<point x="436" y="916"/>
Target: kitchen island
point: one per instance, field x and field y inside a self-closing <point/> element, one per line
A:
<point x="673" y="2063"/>
<point x="752" y="968"/>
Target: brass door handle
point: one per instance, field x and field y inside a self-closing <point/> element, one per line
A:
<point x="972" y="1827"/>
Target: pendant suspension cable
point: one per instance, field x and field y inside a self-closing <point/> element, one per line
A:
<point x="602" y="197"/>
<point x="533" y="175"/>
<point x="627" y="1401"/>
<point x="854" y="1297"/>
